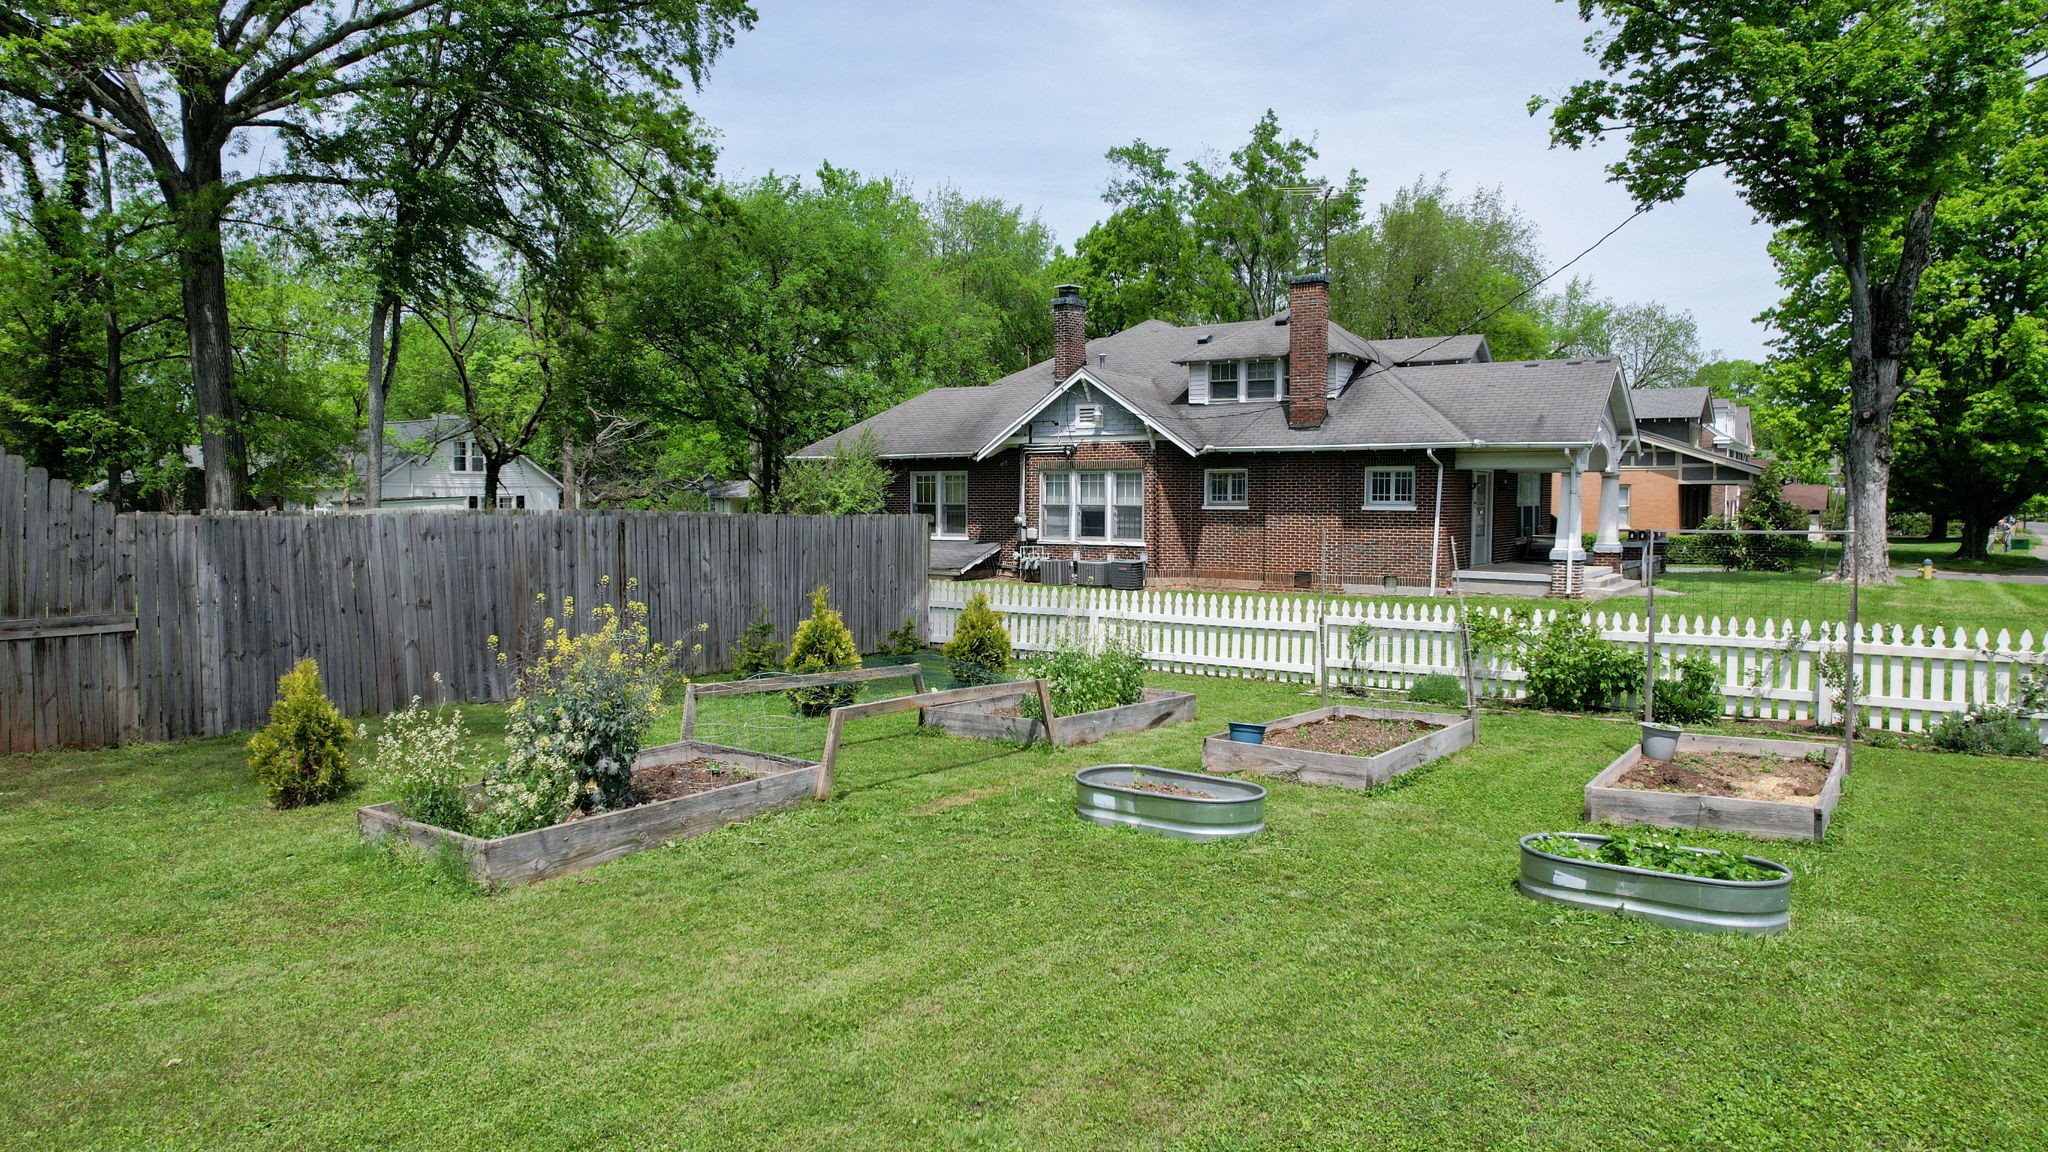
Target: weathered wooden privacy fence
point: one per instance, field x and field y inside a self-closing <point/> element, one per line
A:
<point x="1908" y="679"/>
<point x="159" y="626"/>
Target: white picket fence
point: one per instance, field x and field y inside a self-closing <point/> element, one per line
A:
<point x="1908" y="679"/>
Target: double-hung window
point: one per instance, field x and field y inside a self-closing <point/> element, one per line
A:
<point x="1390" y="488"/>
<point x="1527" y="498"/>
<point x="1223" y="382"/>
<point x="469" y="456"/>
<point x="941" y="498"/>
<point x="1084" y="506"/>
<point x="1622" y="520"/>
<point x="1262" y="380"/>
<point x="1226" y="488"/>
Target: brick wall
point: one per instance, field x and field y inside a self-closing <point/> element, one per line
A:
<point x="1306" y="514"/>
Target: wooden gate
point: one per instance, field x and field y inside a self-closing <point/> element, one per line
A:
<point x="67" y="616"/>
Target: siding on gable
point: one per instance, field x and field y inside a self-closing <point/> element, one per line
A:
<point x="1057" y="421"/>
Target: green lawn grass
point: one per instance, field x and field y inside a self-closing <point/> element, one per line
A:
<point x="944" y="957"/>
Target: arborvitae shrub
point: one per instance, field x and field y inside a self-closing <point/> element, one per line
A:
<point x="757" y="650"/>
<point x="302" y="757"/>
<point x="822" y="643"/>
<point x="980" y="649"/>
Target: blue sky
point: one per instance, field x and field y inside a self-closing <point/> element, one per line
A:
<point x="1021" y="100"/>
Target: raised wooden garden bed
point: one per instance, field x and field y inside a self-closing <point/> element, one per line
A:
<point x="1610" y="799"/>
<point x="1439" y="734"/>
<point x="1001" y="718"/>
<point x="780" y="782"/>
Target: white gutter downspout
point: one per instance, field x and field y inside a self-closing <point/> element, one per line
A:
<point x="1436" y="527"/>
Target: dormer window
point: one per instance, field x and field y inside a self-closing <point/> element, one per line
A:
<point x="1087" y="416"/>
<point x="1223" y="382"/>
<point x="1262" y="380"/>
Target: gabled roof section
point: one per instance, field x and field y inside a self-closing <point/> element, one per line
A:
<point x="1703" y="455"/>
<point x="1672" y="403"/>
<point x="1467" y="349"/>
<point x="1116" y="385"/>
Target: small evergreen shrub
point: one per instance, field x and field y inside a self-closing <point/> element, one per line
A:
<point x="1437" y="688"/>
<point x="822" y="643"/>
<point x="576" y="726"/>
<point x="1572" y="670"/>
<point x="302" y="757"/>
<point x="1081" y="677"/>
<point x="421" y="751"/>
<point x="1693" y="696"/>
<point x="757" y="650"/>
<point x="904" y="641"/>
<point x="980" y="649"/>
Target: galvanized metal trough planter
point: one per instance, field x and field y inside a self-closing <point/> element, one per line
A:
<point x="991" y="719"/>
<point x="507" y="861"/>
<point x="1222" y="754"/>
<point x="1230" y="808"/>
<point x="1693" y="903"/>
<point x="1608" y="802"/>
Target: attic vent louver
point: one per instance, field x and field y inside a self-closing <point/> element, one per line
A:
<point x="1204" y="338"/>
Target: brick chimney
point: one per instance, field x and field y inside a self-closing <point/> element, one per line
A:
<point x="1069" y="331"/>
<point x="1308" y="350"/>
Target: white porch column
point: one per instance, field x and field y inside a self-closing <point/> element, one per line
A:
<point x="1609" y="529"/>
<point x="1570" y="522"/>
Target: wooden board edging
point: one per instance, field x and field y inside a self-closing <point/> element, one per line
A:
<point x="1608" y="802"/>
<point x="525" y="857"/>
<point x="921" y="701"/>
<point x="1222" y="754"/>
<point x="1158" y="708"/>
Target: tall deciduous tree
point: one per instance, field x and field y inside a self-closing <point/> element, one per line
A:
<point x="184" y="86"/>
<point x="1847" y="120"/>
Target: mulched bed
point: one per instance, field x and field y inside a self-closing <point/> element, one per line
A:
<point x="671" y="781"/>
<point x="1165" y="789"/>
<point x="1734" y="774"/>
<point x="1350" y="735"/>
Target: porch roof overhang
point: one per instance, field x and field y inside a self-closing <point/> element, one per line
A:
<point x="1697" y="465"/>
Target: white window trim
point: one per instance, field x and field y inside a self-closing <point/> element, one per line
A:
<point x="1073" y="536"/>
<point x="1621" y="507"/>
<point x="939" y="503"/>
<point x="1407" y="505"/>
<point x="1209" y="495"/>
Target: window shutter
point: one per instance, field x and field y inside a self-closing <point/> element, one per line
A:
<point x="1198" y="383"/>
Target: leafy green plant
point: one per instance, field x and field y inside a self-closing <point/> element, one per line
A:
<point x="1988" y="730"/>
<point x="757" y="650"/>
<point x="1637" y="848"/>
<point x="1437" y="688"/>
<point x="1497" y="636"/>
<point x="980" y="650"/>
<point x="576" y="726"/>
<point x="1081" y="677"/>
<point x="904" y="641"/>
<point x="1693" y="696"/>
<point x="421" y="752"/>
<point x="822" y="644"/>
<point x="1572" y="670"/>
<point x="302" y="757"/>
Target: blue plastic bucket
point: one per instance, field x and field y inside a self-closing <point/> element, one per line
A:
<point x="1247" y="733"/>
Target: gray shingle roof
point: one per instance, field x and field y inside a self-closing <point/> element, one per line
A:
<point x="1388" y="405"/>
<point x="1669" y="403"/>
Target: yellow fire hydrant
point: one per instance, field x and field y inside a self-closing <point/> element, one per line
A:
<point x="1927" y="569"/>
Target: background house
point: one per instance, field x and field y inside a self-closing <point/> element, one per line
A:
<point x="1284" y="452"/>
<point x="1692" y="458"/>
<point x="435" y="464"/>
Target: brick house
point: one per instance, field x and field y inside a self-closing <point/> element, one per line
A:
<point x="1692" y="458"/>
<point x="1277" y="453"/>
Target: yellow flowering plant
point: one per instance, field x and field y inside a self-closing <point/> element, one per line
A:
<point x="576" y="726"/>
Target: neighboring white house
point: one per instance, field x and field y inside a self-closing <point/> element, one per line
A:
<point x="731" y="497"/>
<point x="435" y="464"/>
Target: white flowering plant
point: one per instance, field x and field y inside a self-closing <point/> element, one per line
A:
<point x="576" y="726"/>
<point x="424" y="753"/>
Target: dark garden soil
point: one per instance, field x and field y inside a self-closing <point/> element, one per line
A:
<point x="1165" y="789"/>
<point x="1350" y="735"/>
<point x="671" y="781"/>
<point x="1734" y="774"/>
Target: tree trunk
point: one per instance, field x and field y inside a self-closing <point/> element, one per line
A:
<point x="1976" y="536"/>
<point x="202" y="268"/>
<point x="1938" y="532"/>
<point x="115" y="339"/>
<point x="572" y="496"/>
<point x="373" y="410"/>
<point x="492" y="466"/>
